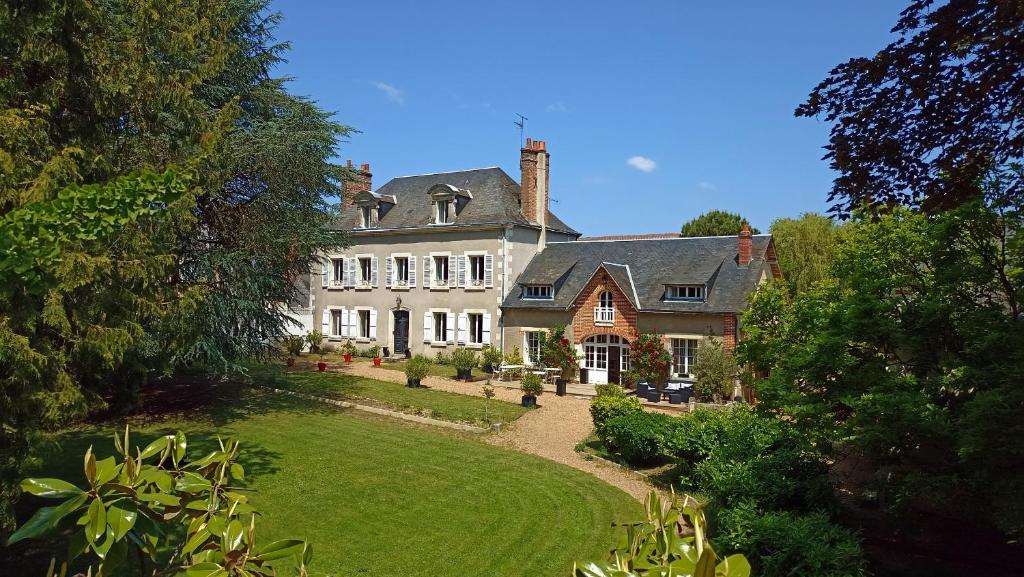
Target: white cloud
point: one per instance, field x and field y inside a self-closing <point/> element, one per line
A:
<point x="707" y="186"/>
<point x="555" y="107"/>
<point x="392" y="93"/>
<point x="642" y="163"/>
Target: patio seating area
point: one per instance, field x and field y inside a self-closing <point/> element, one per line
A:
<point x="674" y="393"/>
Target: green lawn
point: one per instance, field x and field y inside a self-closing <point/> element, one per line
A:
<point x="422" y="401"/>
<point x="379" y="497"/>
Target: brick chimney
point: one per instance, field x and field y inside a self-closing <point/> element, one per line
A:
<point x="533" y="162"/>
<point x="746" y="248"/>
<point x="362" y="181"/>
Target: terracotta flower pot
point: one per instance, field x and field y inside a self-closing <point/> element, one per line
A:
<point x="348" y="357"/>
<point x="376" y="361"/>
<point x="321" y="366"/>
<point x="291" y="361"/>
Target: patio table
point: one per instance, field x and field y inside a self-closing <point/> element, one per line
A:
<point x="551" y="373"/>
<point x="504" y="369"/>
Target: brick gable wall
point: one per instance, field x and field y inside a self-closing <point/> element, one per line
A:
<point x="583" y="325"/>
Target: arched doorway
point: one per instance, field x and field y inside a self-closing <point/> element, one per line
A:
<point x="604" y="358"/>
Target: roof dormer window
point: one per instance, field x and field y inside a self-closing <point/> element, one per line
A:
<point x="540" y="292"/>
<point x="367" y="216"/>
<point x="693" y="293"/>
<point x="447" y="202"/>
<point x="441" y="212"/>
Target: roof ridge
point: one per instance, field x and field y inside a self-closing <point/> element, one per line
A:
<point x="585" y="239"/>
<point x="444" y="172"/>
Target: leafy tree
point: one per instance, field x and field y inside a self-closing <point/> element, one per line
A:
<point x="716" y="223"/>
<point x="156" y="500"/>
<point x="715" y="370"/>
<point x="649" y="358"/>
<point x="927" y="117"/>
<point x="805" y="247"/>
<point x="912" y="355"/>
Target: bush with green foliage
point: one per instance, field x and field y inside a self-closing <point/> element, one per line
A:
<point x="649" y="358"/>
<point x="490" y="356"/>
<point x="442" y="358"/>
<point x="464" y="359"/>
<point x="348" y="348"/>
<point x="629" y="379"/>
<point x="715" y="371"/>
<point x="294" y="344"/>
<point x="640" y="437"/>
<point x="604" y="407"/>
<point x="609" y="390"/>
<point x="417" y="367"/>
<point x="514" y="357"/>
<point x="782" y="544"/>
<point x="532" y="384"/>
<point x="374" y="351"/>
<point x="557" y="351"/>
<point x="156" y="512"/>
<point x="315" y="340"/>
<point x="663" y="546"/>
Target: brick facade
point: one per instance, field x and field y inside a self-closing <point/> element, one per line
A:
<point x="729" y="338"/>
<point x="533" y="163"/>
<point x="583" y="325"/>
<point x="362" y="182"/>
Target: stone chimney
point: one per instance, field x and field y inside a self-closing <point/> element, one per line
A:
<point x="362" y="181"/>
<point x="533" y="162"/>
<point x="746" y="248"/>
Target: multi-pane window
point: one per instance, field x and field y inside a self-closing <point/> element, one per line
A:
<point x="685" y="293"/>
<point x="364" y="324"/>
<point x="366" y="213"/>
<point x="337" y="270"/>
<point x="336" y="325"/>
<point x="684" y="351"/>
<point x="441" y="270"/>
<point x="534" y="344"/>
<point x="442" y="211"/>
<point x="402" y="271"/>
<point x="537" y="292"/>
<point x="476" y="328"/>
<point x="595" y="357"/>
<point x="624" y="358"/>
<point x="604" y="312"/>
<point x="365" y="270"/>
<point x="476" y="270"/>
<point x="440" y="327"/>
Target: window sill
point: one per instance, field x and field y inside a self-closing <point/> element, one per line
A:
<point x="604" y="323"/>
<point x="364" y="288"/>
<point x="363" y="339"/>
<point x="335" y="339"/>
<point x="403" y="287"/>
<point x="472" y="345"/>
<point x="438" y="344"/>
<point x="476" y="288"/>
<point x="440" y="288"/>
<point x="335" y="288"/>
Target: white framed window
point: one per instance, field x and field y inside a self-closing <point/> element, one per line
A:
<point x="684" y="352"/>
<point x="684" y="293"/>
<point x="604" y="312"/>
<point x="534" y="344"/>
<point x="442" y="212"/>
<point x="440" y="271"/>
<point x="476" y="270"/>
<point x="401" y="271"/>
<point x="476" y="328"/>
<point x="595" y="356"/>
<point x="365" y="216"/>
<point x="337" y="323"/>
<point x="624" y="357"/>
<point x="337" y="271"/>
<point x="365" y="270"/>
<point x="364" y="324"/>
<point x="440" y="327"/>
<point x="537" y="292"/>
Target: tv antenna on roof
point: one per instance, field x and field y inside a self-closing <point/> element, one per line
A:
<point x="521" y="123"/>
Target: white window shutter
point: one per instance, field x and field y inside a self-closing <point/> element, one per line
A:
<point x="325" y="265"/>
<point x="463" y="265"/>
<point x="488" y="270"/>
<point x="487" y="329"/>
<point x="353" y="270"/>
<point x="449" y="336"/>
<point x="374" y="265"/>
<point x="389" y="267"/>
<point x="428" y="329"/>
<point x="353" y="326"/>
<point x="373" y="324"/>
<point x="453" y="271"/>
<point x="426" y="272"/>
<point x="463" y="328"/>
<point x="412" y="271"/>
<point x="326" y="322"/>
<point x="344" y="323"/>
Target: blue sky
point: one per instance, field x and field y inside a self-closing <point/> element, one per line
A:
<point x="700" y="95"/>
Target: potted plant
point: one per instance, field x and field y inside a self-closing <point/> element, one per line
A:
<point x="324" y="350"/>
<point x="415" y="370"/>
<point x="532" y="387"/>
<point x="347" y="350"/>
<point x="464" y="360"/>
<point x="557" y="351"/>
<point x="491" y="358"/>
<point x="315" y="339"/>
<point x="375" y="354"/>
<point x="294" y="344"/>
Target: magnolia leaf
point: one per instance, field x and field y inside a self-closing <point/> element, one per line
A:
<point x="192" y="483"/>
<point x="154" y="447"/>
<point x="706" y="564"/>
<point x="106" y="470"/>
<point x="37" y="526"/>
<point x="90" y="466"/>
<point x="281" y="549"/>
<point x="50" y="488"/>
<point x="96" y="521"/>
<point x="102" y="548"/>
<point x="180" y="444"/>
<point x="232" y="536"/>
<point x="121" y="518"/>
<point x="195" y="541"/>
<point x="237" y="471"/>
<point x="160" y="498"/>
<point x="734" y="566"/>
<point x="206" y="569"/>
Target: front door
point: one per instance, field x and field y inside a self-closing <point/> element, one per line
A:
<point x="613" y="364"/>
<point x="401" y="333"/>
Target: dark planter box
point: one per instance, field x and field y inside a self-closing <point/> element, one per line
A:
<point x="412" y="383"/>
<point x="653" y="396"/>
<point x="560" y="386"/>
<point x="489" y="369"/>
<point x="529" y="401"/>
<point x="464" y="374"/>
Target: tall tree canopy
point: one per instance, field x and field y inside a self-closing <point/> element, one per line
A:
<point x="161" y="194"/>
<point x="805" y="247"/>
<point x="715" y="223"/>
<point x="921" y="122"/>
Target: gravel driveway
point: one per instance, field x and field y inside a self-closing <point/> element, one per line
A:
<point x="552" y="431"/>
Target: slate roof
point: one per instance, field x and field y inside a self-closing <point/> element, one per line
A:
<point x="495" y="200"/>
<point x="651" y="264"/>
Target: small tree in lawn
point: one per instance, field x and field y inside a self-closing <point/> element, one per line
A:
<point x="649" y="358"/>
<point x="488" y="395"/>
<point x="715" y="369"/>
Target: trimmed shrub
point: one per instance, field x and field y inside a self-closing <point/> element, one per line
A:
<point x="604" y="407"/>
<point x="532" y="384"/>
<point x="609" y="390"/>
<point x="640" y="437"/>
<point x="443" y="358"/>
<point x="417" y="367"/>
<point x="780" y="544"/>
<point x="464" y="359"/>
<point x="715" y="369"/>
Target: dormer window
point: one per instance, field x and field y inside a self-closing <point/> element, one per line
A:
<point x="684" y="293"/>
<point x="366" y="216"/>
<point x="538" y="292"/>
<point x="441" y="212"/>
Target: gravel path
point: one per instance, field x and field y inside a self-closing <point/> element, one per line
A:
<point x="552" y="431"/>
